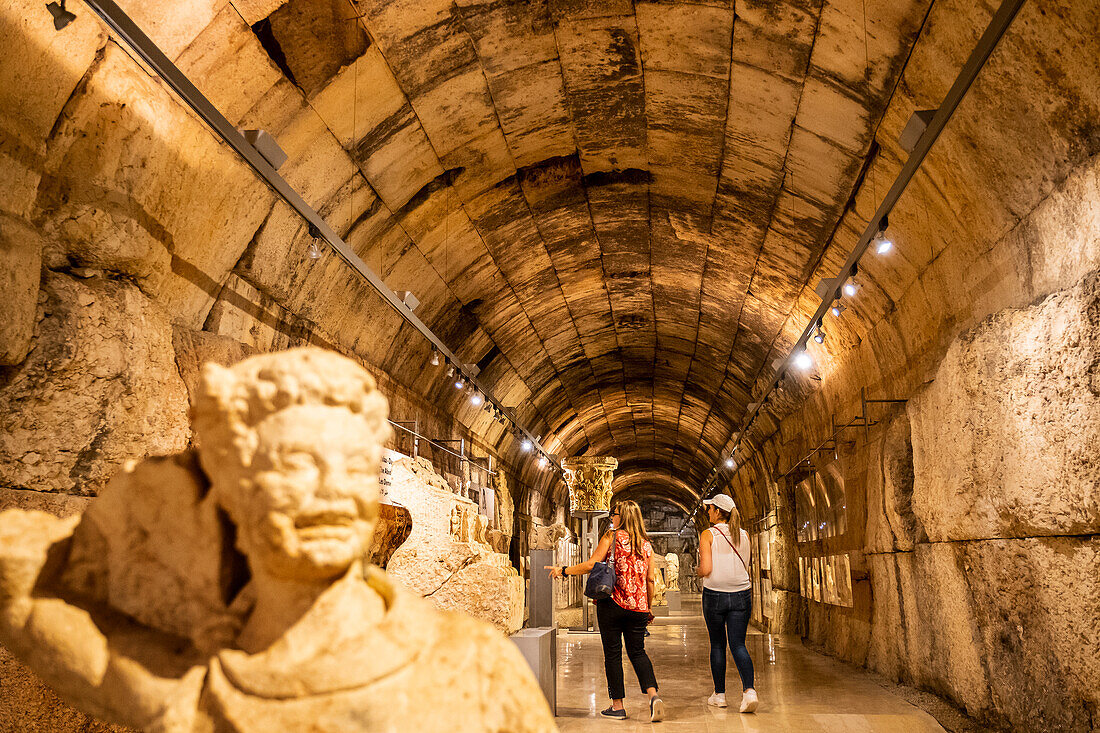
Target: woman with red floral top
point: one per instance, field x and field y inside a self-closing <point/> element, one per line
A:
<point x="626" y="613"/>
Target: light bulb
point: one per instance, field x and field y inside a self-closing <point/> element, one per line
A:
<point x="802" y="360"/>
<point x="851" y="288"/>
<point x="819" y="336"/>
<point x="460" y="383"/>
<point x="525" y="445"/>
<point x="729" y="463"/>
<point x="435" y="358"/>
<point x="543" y="462"/>
<point x="837" y="309"/>
<point x="315" y="252"/>
<point x="475" y="399"/>
<point x="450" y="370"/>
<point x="884" y="244"/>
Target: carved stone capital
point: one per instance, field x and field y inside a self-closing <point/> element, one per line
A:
<point x="589" y="482"/>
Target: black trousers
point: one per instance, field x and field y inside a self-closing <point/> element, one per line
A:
<point x="616" y="624"/>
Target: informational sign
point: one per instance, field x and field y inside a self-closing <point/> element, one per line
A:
<point x="385" y="478"/>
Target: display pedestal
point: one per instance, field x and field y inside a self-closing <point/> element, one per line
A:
<point x="673" y="598"/>
<point x="659" y="610"/>
<point x="540" y="595"/>
<point x="540" y="648"/>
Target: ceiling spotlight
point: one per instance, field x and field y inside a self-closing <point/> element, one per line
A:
<point x="884" y="243"/>
<point x="315" y="252"/>
<point x="819" y="335"/>
<point x="61" y="16"/>
<point x="525" y="445"/>
<point x="460" y="383"/>
<point x="837" y="309"/>
<point x="475" y="398"/>
<point x="543" y="461"/>
<point x="434" y="361"/>
<point x="851" y="288"/>
<point x="729" y="462"/>
<point x="802" y="360"/>
<point x="450" y="370"/>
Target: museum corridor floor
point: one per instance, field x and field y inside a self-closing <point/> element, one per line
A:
<point x="800" y="690"/>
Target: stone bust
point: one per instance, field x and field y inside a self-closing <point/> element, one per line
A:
<point x="230" y="593"/>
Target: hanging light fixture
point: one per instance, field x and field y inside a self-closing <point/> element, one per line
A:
<point x="729" y="462"/>
<point x="450" y="369"/>
<point x="837" y="308"/>
<point x="525" y="446"/>
<point x="475" y="398"/>
<point x="802" y="360"/>
<point x="434" y="361"/>
<point x="460" y="383"/>
<point x="543" y="461"/>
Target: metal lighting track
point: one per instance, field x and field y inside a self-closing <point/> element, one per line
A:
<point x="996" y="29"/>
<point x="127" y="31"/>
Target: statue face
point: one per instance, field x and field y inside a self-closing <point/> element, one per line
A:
<point x="314" y="497"/>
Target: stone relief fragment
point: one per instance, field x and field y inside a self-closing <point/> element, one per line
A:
<point x="228" y="590"/>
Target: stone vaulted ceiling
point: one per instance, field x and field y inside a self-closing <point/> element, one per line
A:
<point x="612" y="208"/>
<point x="627" y="197"/>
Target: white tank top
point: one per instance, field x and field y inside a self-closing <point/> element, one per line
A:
<point x="727" y="573"/>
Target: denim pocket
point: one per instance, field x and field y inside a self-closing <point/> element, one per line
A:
<point x="741" y="600"/>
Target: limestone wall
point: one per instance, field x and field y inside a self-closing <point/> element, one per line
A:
<point x="975" y="570"/>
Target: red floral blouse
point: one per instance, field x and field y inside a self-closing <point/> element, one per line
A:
<point x="631" y="572"/>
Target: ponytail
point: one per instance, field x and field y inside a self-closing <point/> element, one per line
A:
<point x="734" y="523"/>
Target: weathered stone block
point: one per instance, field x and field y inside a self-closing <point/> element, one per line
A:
<point x="20" y="270"/>
<point x="100" y="386"/>
<point x="1004" y="439"/>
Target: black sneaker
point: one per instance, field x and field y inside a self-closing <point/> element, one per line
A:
<point x="615" y="714"/>
<point x="656" y="709"/>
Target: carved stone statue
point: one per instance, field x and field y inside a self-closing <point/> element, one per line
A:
<point x="229" y="592"/>
<point x="589" y="482"/>
<point x="672" y="573"/>
<point x="660" y="574"/>
<point x="546" y="538"/>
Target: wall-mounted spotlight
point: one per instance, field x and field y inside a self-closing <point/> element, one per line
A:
<point x="543" y="462"/>
<point x="802" y="360"/>
<point x="525" y="446"/>
<point x="851" y="288"/>
<point x="729" y="462"/>
<point x="475" y="398"/>
<point x="434" y="361"/>
<point x="460" y="383"/>
<point x="450" y="369"/>
<point x="884" y="244"/>
<point x="819" y="335"/>
<point x="61" y="16"/>
<point x="837" y="308"/>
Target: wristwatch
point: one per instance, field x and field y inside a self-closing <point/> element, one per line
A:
<point x="563" y="569"/>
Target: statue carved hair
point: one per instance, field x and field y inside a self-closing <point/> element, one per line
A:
<point x="232" y="401"/>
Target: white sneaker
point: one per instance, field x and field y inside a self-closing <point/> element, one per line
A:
<point x="749" y="702"/>
<point x="717" y="699"/>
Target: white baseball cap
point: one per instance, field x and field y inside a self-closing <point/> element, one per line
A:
<point x="722" y="501"/>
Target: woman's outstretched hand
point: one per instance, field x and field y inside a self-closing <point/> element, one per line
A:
<point x="555" y="571"/>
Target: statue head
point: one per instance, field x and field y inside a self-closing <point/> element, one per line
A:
<point x="292" y="443"/>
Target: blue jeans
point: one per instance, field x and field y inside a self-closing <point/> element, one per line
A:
<point x="727" y="617"/>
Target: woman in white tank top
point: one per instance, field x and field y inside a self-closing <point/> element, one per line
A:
<point x="727" y="597"/>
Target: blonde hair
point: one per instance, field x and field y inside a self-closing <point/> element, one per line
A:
<point x="630" y="521"/>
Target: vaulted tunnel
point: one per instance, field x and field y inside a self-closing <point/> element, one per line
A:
<point x="624" y="215"/>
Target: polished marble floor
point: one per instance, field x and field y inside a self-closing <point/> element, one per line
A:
<point x="800" y="690"/>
